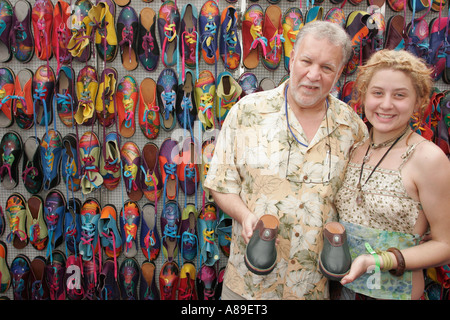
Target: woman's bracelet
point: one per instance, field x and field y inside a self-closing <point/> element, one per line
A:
<point x="400" y="262"/>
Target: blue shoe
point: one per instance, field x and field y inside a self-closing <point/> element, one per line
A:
<point x="170" y="225"/>
<point x="20" y="272"/>
<point x="150" y="239"/>
<point x="186" y="109"/>
<point x="72" y="226"/>
<point x="129" y="275"/>
<point x="54" y="212"/>
<point x="209" y="22"/>
<point x="43" y="88"/>
<point x="130" y="216"/>
<point x="223" y="231"/>
<point x="110" y="238"/>
<point x="70" y="163"/>
<point x="188" y="232"/>
<point x="51" y="152"/>
<point x="90" y="214"/>
<point x="166" y="88"/>
<point x="206" y="224"/>
<point x="65" y="97"/>
<point x="229" y="45"/>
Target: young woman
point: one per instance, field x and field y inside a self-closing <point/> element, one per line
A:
<point x="396" y="187"/>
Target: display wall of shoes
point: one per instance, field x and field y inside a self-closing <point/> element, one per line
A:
<point x="109" y="106"/>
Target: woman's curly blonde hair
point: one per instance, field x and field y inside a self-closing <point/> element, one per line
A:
<point x="401" y="60"/>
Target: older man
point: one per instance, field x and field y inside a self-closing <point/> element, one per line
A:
<point x="283" y="152"/>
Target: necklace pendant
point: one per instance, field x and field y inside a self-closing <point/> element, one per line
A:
<point x="359" y="196"/>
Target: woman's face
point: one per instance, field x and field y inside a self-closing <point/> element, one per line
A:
<point x="390" y="101"/>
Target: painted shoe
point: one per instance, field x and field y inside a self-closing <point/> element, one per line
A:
<point x="22" y="40"/>
<point x="90" y="151"/>
<point x="6" y="94"/>
<point x="315" y="14"/>
<point x="253" y="40"/>
<point x="110" y="166"/>
<point x="55" y="269"/>
<point x="132" y="174"/>
<point x="91" y="274"/>
<point x="219" y="284"/>
<point x="38" y="285"/>
<point x="209" y="21"/>
<point x="170" y="225"/>
<point x="437" y="56"/>
<point x="185" y="108"/>
<point x="127" y="97"/>
<point x="206" y="282"/>
<point x="168" y="280"/>
<point x="228" y="92"/>
<point x="207" y="153"/>
<point x="102" y="15"/>
<point x="292" y="23"/>
<point x="359" y="33"/>
<point x="168" y="30"/>
<point x="148" y="289"/>
<point x="336" y="15"/>
<point x="61" y="33"/>
<point x="73" y="278"/>
<point x="189" y="36"/>
<point x="229" y="45"/>
<point x="11" y="149"/>
<point x="127" y="32"/>
<point x="54" y="211"/>
<point x="335" y="259"/>
<point x="108" y="286"/>
<point x="42" y="19"/>
<point x="16" y="215"/>
<point x="205" y="91"/>
<point x="248" y="83"/>
<point x="70" y="163"/>
<point x="90" y="214"/>
<point x="129" y="274"/>
<point x="418" y="35"/>
<point x="2" y="222"/>
<point x="51" y="152"/>
<point x="149" y="119"/>
<point x="147" y="46"/>
<point x="186" y="288"/>
<point x="81" y="27"/>
<point x="206" y="224"/>
<point x="36" y="226"/>
<point x="188" y="232"/>
<point x="151" y="184"/>
<point x="150" y="239"/>
<point x="261" y="253"/>
<point x="43" y="90"/>
<point x="110" y="238"/>
<point x="273" y="32"/>
<point x="168" y="161"/>
<point x="20" y="273"/>
<point x="187" y="170"/>
<point x="6" y="17"/>
<point x="72" y="225"/>
<point x="395" y="36"/>
<point x="32" y="172"/>
<point x="130" y="217"/>
<point x="23" y="102"/>
<point x="86" y="88"/>
<point x="65" y="96"/>
<point x="223" y="231"/>
<point x="5" y="280"/>
<point x="167" y="87"/>
<point x="105" y="102"/>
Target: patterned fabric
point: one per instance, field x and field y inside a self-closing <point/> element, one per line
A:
<point x="250" y="159"/>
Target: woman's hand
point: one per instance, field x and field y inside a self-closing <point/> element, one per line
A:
<point x="359" y="266"/>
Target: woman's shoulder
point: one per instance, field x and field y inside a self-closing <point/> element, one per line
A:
<point x="427" y="154"/>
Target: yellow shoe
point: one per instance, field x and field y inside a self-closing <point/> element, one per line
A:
<point x="106" y="96"/>
<point x="292" y="23"/>
<point x="80" y="24"/>
<point x="87" y="87"/>
<point x="102" y="16"/>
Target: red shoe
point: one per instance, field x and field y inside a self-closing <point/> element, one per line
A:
<point x="42" y="19"/>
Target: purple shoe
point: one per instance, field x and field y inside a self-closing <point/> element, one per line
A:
<point x="188" y="232"/>
<point x="108" y="287"/>
<point x="127" y="31"/>
<point x="189" y="36"/>
<point x="43" y="88"/>
<point x="168" y="162"/>
<point x="11" y="149"/>
<point x="54" y="211"/>
<point x="248" y="83"/>
<point x="147" y="46"/>
<point x="206" y="282"/>
<point x="170" y="225"/>
<point x="22" y="43"/>
<point x="20" y="273"/>
<point x="55" y="269"/>
<point x="6" y="16"/>
<point x="91" y="270"/>
<point x="150" y="240"/>
<point x="167" y="87"/>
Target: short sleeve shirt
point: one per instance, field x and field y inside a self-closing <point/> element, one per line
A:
<point x="257" y="157"/>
